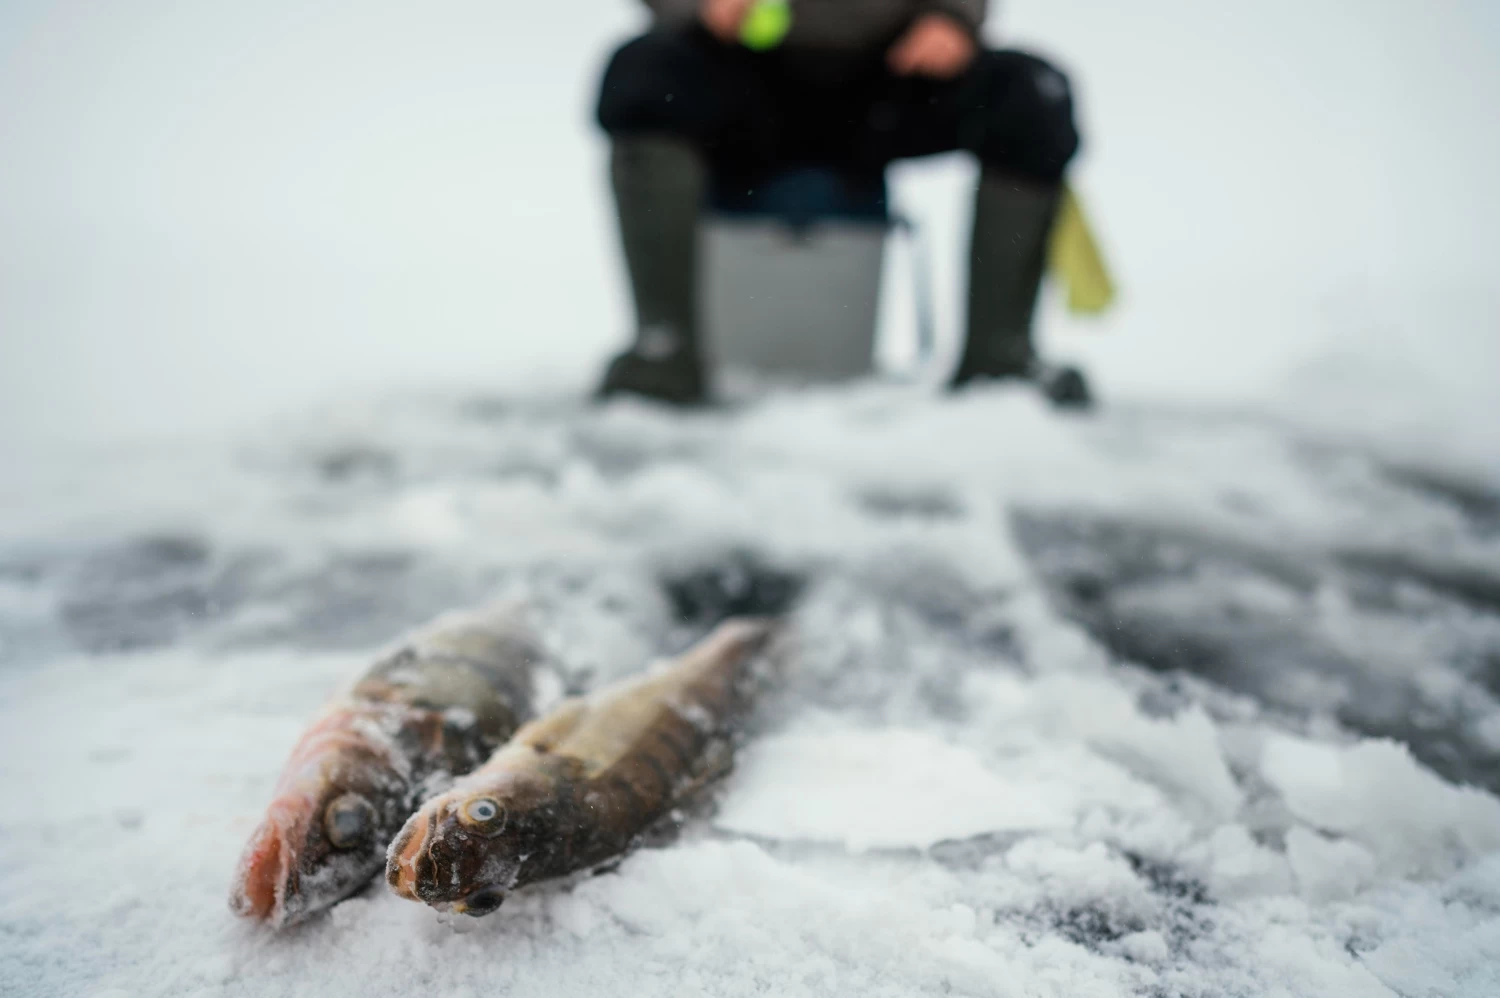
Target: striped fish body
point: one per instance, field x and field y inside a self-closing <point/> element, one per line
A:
<point x="434" y="708"/>
<point x="579" y="786"/>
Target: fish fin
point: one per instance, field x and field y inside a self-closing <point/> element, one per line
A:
<point x="716" y="763"/>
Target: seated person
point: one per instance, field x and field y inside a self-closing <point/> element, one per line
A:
<point x="854" y="85"/>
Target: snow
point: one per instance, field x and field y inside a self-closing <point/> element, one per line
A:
<point x="1195" y="697"/>
<point x="1340" y="789"/>
<point x="955" y="788"/>
<point x="873" y="787"/>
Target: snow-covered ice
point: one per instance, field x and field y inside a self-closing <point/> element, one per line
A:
<point x="966" y="783"/>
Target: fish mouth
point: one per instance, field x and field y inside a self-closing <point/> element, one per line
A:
<point x="408" y="866"/>
<point x="427" y="863"/>
<point x="264" y="878"/>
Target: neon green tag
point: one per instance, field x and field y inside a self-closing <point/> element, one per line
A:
<point x="766" y="24"/>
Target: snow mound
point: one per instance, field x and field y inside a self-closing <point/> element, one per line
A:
<point x="1375" y="793"/>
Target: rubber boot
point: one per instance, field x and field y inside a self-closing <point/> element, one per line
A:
<point x="1007" y="257"/>
<point x="658" y="186"/>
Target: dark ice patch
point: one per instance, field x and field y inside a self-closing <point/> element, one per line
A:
<point x="894" y="636"/>
<point x="1246" y="616"/>
<point x="506" y="408"/>
<point x="1091" y="926"/>
<point x="940" y="596"/>
<point x="23" y="571"/>
<point x="165" y="589"/>
<point x="704" y="589"/>
<point x="487" y="409"/>
<point x="1475" y="585"/>
<point x="525" y="467"/>
<point x="1476" y="500"/>
<point x="357" y="598"/>
<point x="1181" y="910"/>
<point x="970" y="853"/>
<point x="912" y="504"/>
<point x="616" y="455"/>
<point x="147" y="592"/>
<point x="357" y="462"/>
<point x="1169" y="881"/>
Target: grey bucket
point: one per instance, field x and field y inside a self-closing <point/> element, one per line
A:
<point x="791" y="280"/>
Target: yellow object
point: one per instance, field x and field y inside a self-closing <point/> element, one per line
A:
<point x="1073" y="257"/>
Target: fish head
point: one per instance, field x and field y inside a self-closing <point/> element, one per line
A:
<point x="465" y="849"/>
<point x="323" y="836"/>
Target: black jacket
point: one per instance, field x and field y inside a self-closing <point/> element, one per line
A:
<point x="844" y="24"/>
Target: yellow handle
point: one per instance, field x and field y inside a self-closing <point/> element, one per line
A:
<point x="1073" y="257"/>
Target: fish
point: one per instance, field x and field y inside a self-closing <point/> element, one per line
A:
<point x="434" y="707"/>
<point x="579" y="786"/>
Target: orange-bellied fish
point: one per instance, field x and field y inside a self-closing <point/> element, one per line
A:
<point x="579" y="786"/>
<point x="434" y="708"/>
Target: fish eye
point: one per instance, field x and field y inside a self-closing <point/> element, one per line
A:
<point x="348" y="820"/>
<point x="483" y="811"/>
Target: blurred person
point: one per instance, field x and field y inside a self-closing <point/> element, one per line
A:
<point x="854" y="85"/>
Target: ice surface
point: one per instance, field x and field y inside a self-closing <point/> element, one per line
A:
<point x="960" y="785"/>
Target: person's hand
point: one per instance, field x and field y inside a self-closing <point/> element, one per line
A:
<point x="935" y="45"/>
<point x="724" y="18"/>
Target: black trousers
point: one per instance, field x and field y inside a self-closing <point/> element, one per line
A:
<point x="753" y="112"/>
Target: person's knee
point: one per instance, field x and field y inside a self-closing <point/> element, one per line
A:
<point x="1021" y="115"/>
<point x="643" y="81"/>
